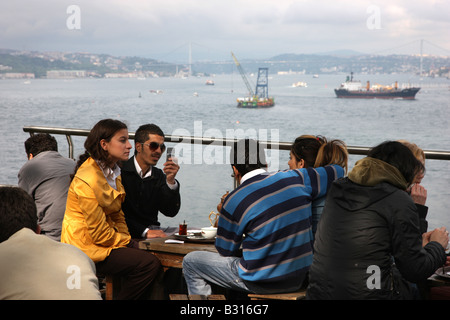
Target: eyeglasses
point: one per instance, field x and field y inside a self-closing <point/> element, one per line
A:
<point x="154" y="146"/>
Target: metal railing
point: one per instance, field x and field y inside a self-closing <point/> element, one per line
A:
<point x="69" y="132"/>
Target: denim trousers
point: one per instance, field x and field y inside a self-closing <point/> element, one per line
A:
<point x="201" y="268"/>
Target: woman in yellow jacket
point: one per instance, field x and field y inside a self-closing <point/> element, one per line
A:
<point x="94" y="220"/>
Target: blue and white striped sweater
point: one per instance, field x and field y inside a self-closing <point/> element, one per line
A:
<point x="273" y="211"/>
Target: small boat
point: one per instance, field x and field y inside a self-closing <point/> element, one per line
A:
<point x="156" y="91"/>
<point x="354" y="89"/>
<point x="300" y="84"/>
<point x="209" y="83"/>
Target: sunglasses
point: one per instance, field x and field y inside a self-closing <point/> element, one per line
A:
<point x="154" y="146"/>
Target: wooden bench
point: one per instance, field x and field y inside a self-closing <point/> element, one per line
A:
<point x="196" y="297"/>
<point x="296" y="295"/>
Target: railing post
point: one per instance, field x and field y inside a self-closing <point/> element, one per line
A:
<point x="69" y="141"/>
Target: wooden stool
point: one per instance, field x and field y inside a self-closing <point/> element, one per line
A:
<point x="296" y="295"/>
<point x="111" y="284"/>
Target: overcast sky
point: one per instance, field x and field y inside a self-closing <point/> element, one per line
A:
<point x="162" y="29"/>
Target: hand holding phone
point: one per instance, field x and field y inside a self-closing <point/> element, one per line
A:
<point x="170" y="153"/>
<point x="171" y="166"/>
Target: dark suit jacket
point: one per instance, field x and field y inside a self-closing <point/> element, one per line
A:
<point x="146" y="197"/>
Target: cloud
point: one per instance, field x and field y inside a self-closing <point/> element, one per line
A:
<point x="251" y="28"/>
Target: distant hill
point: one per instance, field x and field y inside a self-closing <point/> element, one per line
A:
<point x="38" y="66"/>
<point x="96" y="64"/>
<point x="333" y="62"/>
<point x="348" y="61"/>
<point x="341" y="53"/>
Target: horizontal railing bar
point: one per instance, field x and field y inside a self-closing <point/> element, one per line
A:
<point x="354" y="150"/>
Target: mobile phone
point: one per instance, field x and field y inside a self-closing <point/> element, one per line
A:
<point x="170" y="153"/>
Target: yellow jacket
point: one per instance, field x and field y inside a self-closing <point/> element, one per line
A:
<point x="94" y="220"/>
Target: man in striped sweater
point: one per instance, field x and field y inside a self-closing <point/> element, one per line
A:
<point x="264" y="237"/>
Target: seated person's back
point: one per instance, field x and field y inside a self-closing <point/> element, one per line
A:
<point x="34" y="267"/>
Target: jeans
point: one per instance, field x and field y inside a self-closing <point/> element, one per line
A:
<point x="317" y="208"/>
<point x="201" y="268"/>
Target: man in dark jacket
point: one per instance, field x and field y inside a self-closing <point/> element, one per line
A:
<point x="149" y="190"/>
<point x="368" y="243"/>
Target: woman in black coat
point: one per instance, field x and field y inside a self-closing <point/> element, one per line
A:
<point x="368" y="243"/>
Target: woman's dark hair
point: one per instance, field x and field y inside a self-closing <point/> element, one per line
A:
<point x="247" y="155"/>
<point x="103" y="130"/>
<point x="399" y="156"/>
<point x="317" y="151"/>
<point x="306" y="147"/>
<point x="17" y="211"/>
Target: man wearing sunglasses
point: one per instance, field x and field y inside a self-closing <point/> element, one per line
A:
<point x="149" y="190"/>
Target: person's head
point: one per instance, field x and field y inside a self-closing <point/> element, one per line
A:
<point x="316" y="151"/>
<point x="247" y="155"/>
<point x="107" y="143"/>
<point x="332" y="152"/>
<point x="304" y="151"/>
<point x="419" y="154"/>
<point x="399" y="156"/>
<point x="149" y="144"/>
<point x="39" y="143"/>
<point x="17" y="211"/>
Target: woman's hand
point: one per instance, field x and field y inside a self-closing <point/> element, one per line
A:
<point x="439" y="235"/>
<point x="419" y="194"/>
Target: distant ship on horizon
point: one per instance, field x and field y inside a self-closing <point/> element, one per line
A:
<point x="354" y="89"/>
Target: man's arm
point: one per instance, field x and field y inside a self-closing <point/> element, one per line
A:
<point x="320" y="179"/>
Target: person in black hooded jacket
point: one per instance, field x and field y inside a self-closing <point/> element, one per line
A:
<point x="368" y="243"/>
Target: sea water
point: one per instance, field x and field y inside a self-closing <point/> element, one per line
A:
<point x="190" y="107"/>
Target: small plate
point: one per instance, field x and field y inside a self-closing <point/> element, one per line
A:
<point x="196" y="237"/>
<point x="190" y="233"/>
<point x="443" y="272"/>
<point x="192" y="238"/>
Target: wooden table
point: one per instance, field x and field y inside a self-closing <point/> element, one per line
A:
<point x="171" y="254"/>
<point x="437" y="288"/>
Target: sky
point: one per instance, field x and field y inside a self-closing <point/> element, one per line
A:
<point x="163" y="29"/>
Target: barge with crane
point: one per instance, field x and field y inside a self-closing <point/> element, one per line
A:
<point x="260" y="97"/>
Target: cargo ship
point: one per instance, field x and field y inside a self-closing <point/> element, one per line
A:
<point x="354" y="89"/>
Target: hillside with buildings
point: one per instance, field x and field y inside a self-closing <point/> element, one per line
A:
<point x="32" y="64"/>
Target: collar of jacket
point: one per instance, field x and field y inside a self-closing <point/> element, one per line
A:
<point x="370" y="172"/>
<point x="129" y="166"/>
<point x="92" y="174"/>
